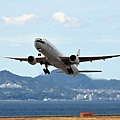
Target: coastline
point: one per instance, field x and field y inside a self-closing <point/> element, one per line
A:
<point x="63" y="118"/>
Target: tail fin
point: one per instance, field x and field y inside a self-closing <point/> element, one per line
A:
<point x="78" y="53"/>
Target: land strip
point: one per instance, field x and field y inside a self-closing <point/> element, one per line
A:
<point x="64" y="118"/>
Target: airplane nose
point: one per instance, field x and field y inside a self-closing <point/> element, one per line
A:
<point x="36" y="44"/>
<point x="39" y="43"/>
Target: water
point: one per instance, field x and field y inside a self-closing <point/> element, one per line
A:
<point x="63" y="108"/>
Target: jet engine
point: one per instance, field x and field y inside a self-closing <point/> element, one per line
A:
<point x="32" y="60"/>
<point x="74" y="59"/>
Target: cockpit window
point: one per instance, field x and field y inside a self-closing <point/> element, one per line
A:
<point x="39" y="40"/>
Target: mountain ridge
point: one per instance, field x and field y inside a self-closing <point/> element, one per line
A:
<point x="55" y="86"/>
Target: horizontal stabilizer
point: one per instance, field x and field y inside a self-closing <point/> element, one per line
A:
<point x="90" y="71"/>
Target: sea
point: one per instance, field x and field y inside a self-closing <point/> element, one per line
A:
<point x="57" y="108"/>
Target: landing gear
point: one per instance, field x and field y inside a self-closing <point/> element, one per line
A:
<point x="46" y="71"/>
<point x="39" y="54"/>
<point x="70" y="71"/>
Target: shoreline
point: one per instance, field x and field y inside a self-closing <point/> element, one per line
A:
<point x="94" y="117"/>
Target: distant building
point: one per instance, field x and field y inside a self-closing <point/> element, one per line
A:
<point x="10" y="85"/>
<point x="79" y="97"/>
<point x="92" y="97"/>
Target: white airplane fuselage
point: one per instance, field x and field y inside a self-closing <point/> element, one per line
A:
<point x="53" y="55"/>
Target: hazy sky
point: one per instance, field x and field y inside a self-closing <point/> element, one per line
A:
<point x="91" y="25"/>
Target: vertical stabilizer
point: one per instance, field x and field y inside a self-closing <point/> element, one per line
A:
<point x="78" y="53"/>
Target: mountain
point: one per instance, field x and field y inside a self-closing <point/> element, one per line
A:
<point x="54" y="86"/>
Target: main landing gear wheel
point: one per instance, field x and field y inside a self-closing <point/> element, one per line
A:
<point x="70" y="71"/>
<point x="46" y="71"/>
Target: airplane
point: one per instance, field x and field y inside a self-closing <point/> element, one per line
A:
<point x="54" y="57"/>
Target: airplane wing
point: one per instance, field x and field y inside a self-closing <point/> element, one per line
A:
<point x="85" y="59"/>
<point x="15" y="58"/>
<point x="41" y="60"/>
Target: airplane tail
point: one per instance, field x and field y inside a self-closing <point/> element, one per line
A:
<point x="78" y="53"/>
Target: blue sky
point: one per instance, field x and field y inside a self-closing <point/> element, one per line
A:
<point x="91" y="25"/>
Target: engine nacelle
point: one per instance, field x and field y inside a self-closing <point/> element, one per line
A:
<point x="32" y="60"/>
<point x="74" y="59"/>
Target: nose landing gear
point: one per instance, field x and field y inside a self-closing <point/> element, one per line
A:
<point x="45" y="70"/>
<point x="39" y="54"/>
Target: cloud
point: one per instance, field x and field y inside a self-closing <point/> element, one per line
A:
<point x="19" y="40"/>
<point x="66" y="20"/>
<point x="108" y="39"/>
<point x="112" y="19"/>
<point x="19" y="20"/>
